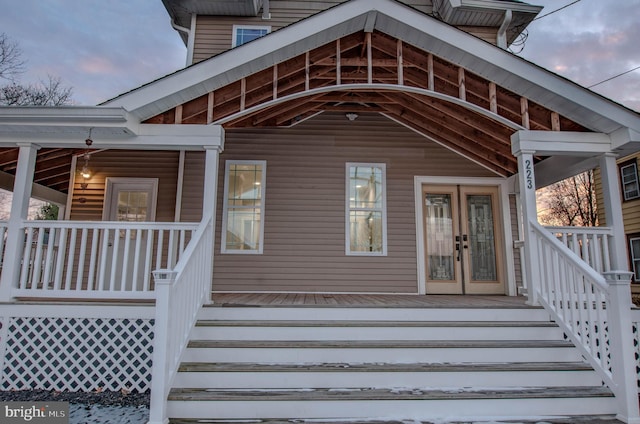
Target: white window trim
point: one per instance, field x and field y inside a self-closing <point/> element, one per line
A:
<point x="225" y="207"/>
<point x="237" y="27"/>
<point x="348" y="209"/>
<point x="142" y="184"/>
<point x="633" y="259"/>
<point x="637" y="180"/>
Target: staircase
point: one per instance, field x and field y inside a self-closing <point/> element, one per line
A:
<point x="347" y="364"/>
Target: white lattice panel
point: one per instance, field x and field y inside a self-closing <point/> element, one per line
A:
<point x="77" y="354"/>
<point x="636" y="345"/>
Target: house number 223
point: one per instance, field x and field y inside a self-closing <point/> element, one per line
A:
<point x="528" y="173"/>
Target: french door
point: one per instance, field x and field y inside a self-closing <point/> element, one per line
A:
<point x="463" y="245"/>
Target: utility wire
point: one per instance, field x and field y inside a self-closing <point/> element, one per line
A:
<point x="557" y="10"/>
<point x="615" y="76"/>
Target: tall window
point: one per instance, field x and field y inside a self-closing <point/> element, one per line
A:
<point x="629" y="177"/>
<point x="243" y="209"/>
<point x="366" y="220"/>
<point x="244" y="33"/>
<point x="634" y="249"/>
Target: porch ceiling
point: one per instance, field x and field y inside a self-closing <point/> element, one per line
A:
<point x="53" y="166"/>
<point x="376" y="72"/>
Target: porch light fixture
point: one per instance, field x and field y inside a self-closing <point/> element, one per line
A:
<point x="85" y="172"/>
<point x="352" y="116"/>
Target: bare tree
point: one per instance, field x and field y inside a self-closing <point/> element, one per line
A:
<point x="570" y="202"/>
<point x="48" y="92"/>
<point x="11" y="63"/>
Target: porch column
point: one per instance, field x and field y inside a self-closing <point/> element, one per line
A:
<point x="19" y="211"/>
<point x="209" y="203"/>
<point x="527" y="183"/>
<point x="613" y="211"/>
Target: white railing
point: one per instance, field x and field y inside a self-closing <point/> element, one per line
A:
<point x="180" y="293"/>
<point x="593" y="311"/>
<point x="71" y="259"/>
<point x="591" y="244"/>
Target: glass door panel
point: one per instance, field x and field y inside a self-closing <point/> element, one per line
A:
<point x="482" y="248"/>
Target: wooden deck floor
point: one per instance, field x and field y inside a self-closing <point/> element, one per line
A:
<point x="366" y="300"/>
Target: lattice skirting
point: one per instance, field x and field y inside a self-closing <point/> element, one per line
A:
<point x="77" y="354"/>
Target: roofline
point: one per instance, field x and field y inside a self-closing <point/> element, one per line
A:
<point x="393" y="18"/>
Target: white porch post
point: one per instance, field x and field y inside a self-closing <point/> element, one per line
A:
<point x="527" y="182"/>
<point x="19" y="211"/>
<point x="623" y="361"/>
<point x="613" y="211"/>
<point x="209" y="200"/>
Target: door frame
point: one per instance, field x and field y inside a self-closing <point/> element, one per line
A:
<point x="133" y="183"/>
<point x="503" y="214"/>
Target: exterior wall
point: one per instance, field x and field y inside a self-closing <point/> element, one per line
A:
<point x="192" y="187"/>
<point x="214" y="33"/>
<point x="87" y="204"/>
<point x="304" y="242"/>
<point x="630" y="210"/>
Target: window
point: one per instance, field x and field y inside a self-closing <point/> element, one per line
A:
<point x="366" y="220"/>
<point x="244" y="33"/>
<point x="629" y="177"/>
<point x="634" y="250"/>
<point x="242" y="220"/>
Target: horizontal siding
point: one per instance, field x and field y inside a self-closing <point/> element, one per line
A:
<point x="305" y="204"/>
<point x="214" y="33"/>
<point x="192" y="187"/>
<point x="87" y="204"/>
<point x="630" y="209"/>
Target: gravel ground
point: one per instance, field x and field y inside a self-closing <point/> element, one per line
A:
<point x="91" y="408"/>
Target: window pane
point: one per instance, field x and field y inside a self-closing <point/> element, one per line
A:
<point x="132" y="206"/>
<point x="439" y="229"/>
<point x="244" y="35"/>
<point x="365" y="229"/>
<point x="365" y="187"/>
<point x="243" y="229"/>
<point x="630" y="185"/>
<point x="482" y="248"/>
<point x="245" y="185"/>
<point x="635" y="257"/>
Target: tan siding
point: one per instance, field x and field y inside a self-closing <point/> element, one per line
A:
<point x="630" y="209"/>
<point x="488" y="34"/>
<point x="213" y="33"/>
<point x="515" y="231"/>
<point x="193" y="185"/>
<point x="87" y="204"/>
<point x="305" y="204"/>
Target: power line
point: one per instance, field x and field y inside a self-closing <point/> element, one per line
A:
<point x="615" y="76"/>
<point x="557" y="10"/>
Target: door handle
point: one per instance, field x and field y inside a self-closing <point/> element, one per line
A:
<point x="458" y="248"/>
<point x="465" y="239"/>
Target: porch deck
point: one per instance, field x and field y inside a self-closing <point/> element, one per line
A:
<point x="366" y="300"/>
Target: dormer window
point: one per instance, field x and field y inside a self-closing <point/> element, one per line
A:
<point x="244" y="33"/>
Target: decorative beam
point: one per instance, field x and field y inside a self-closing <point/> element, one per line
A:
<point x="462" y="90"/>
<point x="548" y="143"/>
<point x="555" y="121"/>
<point x="369" y="59"/>
<point x="524" y="111"/>
<point x="275" y="81"/>
<point x="400" y="63"/>
<point x="243" y="93"/>
<point x="306" y="71"/>
<point x="178" y="114"/>
<point x="210" y="104"/>
<point x="493" y="98"/>
<point x="430" y="76"/>
<point x="338" y="63"/>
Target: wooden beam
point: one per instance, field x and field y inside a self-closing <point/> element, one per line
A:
<point x="524" y="111"/>
<point x="493" y="98"/>
<point x="555" y="121"/>
<point x="243" y="93"/>
<point x="462" y="90"/>
<point x="431" y="78"/>
<point x="338" y="63"/>
<point x="349" y="108"/>
<point x="178" y="112"/>
<point x="369" y="59"/>
<point x="210" y="105"/>
<point x="275" y="82"/>
<point x="306" y="71"/>
<point x="400" y="63"/>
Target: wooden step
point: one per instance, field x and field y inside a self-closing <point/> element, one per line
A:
<point x="343" y="375"/>
<point x="414" y="404"/>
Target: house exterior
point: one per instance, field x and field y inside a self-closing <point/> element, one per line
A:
<point x="364" y="147"/>
<point x="628" y="172"/>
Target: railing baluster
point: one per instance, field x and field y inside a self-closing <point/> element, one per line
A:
<point x="124" y="270"/>
<point x="37" y="263"/>
<point x="93" y="259"/>
<point x="136" y="260"/>
<point x="115" y="253"/>
<point x="148" y="256"/>
<point x="26" y="260"/>
<point x="159" y="250"/>
<point x="82" y="256"/>
<point x="62" y="251"/>
<point x="48" y="261"/>
<point x="71" y="249"/>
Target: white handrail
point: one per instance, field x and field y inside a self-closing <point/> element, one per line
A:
<point x="78" y="259"/>
<point x="593" y="311"/>
<point x="4" y="225"/>
<point x="589" y="243"/>
<point x="180" y="292"/>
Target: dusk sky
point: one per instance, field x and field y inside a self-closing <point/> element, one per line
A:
<point x="102" y="48"/>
